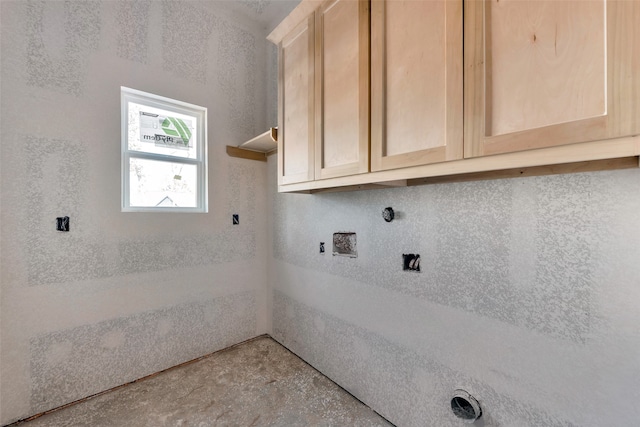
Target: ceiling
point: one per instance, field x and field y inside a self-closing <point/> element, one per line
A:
<point x="267" y="13"/>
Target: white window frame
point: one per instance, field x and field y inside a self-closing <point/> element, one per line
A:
<point x="200" y="113"/>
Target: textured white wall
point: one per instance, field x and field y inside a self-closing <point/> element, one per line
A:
<point x="122" y="295"/>
<point x="528" y="297"/>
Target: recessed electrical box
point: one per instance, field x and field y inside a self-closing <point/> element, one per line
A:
<point x="62" y="223"/>
<point x="322" y="247"/>
<point x="236" y="219"/>
<point x="345" y="244"/>
<point x="411" y="262"/>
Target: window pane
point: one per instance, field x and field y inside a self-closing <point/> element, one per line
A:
<point x="159" y="131"/>
<point x="162" y="184"/>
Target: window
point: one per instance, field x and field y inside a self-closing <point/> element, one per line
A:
<point x="164" y="158"/>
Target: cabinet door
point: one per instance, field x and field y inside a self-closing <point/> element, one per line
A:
<point x="543" y="73"/>
<point x="342" y="88"/>
<point x="416" y="82"/>
<point x="296" y="105"/>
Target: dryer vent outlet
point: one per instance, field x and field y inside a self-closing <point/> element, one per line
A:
<point x="465" y="406"/>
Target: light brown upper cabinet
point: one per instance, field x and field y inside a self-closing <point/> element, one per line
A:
<point x="542" y="73"/>
<point x="549" y="86"/>
<point x="342" y="88"/>
<point x="296" y="99"/>
<point x="416" y="82"/>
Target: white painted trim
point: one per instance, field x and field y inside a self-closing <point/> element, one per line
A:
<point x="200" y="113"/>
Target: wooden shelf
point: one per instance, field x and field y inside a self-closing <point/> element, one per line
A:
<point x="257" y="148"/>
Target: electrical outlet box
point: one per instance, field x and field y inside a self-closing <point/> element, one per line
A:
<point x="62" y="223"/>
<point x="411" y="262"/>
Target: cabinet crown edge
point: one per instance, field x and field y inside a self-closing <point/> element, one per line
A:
<point x="297" y="15"/>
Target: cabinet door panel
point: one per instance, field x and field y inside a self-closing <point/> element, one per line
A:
<point x="416" y="78"/>
<point x="296" y="110"/>
<point x="342" y="96"/>
<point x="542" y="73"/>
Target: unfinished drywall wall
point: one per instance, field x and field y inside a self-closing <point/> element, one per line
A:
<point x="527" y="297"/>
<point x="122" y="295"/>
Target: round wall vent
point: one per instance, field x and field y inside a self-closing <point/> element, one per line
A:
<point x="465" y="406"/>
<point x="388" y="214"/>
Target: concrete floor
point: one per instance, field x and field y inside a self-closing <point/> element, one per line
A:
<point x="257" y="383"/>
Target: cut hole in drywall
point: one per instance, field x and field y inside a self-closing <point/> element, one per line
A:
<point x="344" y="244"/>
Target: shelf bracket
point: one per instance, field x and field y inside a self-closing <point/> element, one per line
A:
<point x="257" y="148"/>
<point x="246" y="154"/>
